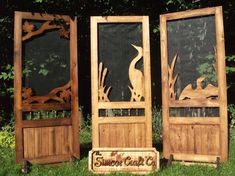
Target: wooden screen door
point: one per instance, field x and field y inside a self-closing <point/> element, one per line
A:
<point x="120" y="77"/>
<point x="45" y="88"/>
<point x="194" y="85"/>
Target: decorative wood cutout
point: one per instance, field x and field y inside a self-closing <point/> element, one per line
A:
<point x="103" y="92"/>
<point x="209" y="92"/>
<point x="60" y="136"/>
<point x="194" y="117"/>
<point x="172" y="78"/>
<point x="59" y="94"/>
<point x="30" y="31"/>
<point x="136" y="77"/>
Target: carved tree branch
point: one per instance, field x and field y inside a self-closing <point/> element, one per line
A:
<point x="45" y="26"/>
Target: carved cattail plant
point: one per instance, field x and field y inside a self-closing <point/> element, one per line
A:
<point x="172" y="78"/>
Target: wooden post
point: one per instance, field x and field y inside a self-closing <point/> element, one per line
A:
<point x="18" y="85"/>
<point x="74" y="87"/>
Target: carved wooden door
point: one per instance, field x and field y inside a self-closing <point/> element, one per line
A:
<point x="121" y="93"/>
<point x="45" y="88"/>
<point x="194" y="85"/>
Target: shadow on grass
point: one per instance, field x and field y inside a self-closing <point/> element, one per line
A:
<point x="84" y="149"/>
<point x="159" y="147"/>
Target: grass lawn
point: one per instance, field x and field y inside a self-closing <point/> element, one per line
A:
<point x="8" y="166"/>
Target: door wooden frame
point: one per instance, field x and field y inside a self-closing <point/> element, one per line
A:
<point x="96" y="105"/>
<point x="19" y="106"/>
<point x="221" y="75"/>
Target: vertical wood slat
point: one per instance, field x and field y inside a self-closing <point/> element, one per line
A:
<point x="51" y="141"/>
<point x="165" y="88"/>
<point x="47" y="141"/>
<point x="130" y="135"/>
<point x="38" y="142"/>
<point x="222" y="83"/>
<point x="74" y="87"/>
<point x="147" y="78"/>
<point x="184" y="141"/>
<point x="94" y="82"/>
<point x="190" y="139"/>
<point x="18" y="85"/>
<point x="195" y="139"/>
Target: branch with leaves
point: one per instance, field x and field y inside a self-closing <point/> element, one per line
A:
<point x="28" y="28"/>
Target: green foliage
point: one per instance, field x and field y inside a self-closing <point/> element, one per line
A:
<point x="49" y="114"/>
<point x="231" y="113"/>
<point x="207" y="70"/>
<point x="7" y="136"/>
<point x="157" y="123"/>
<point x="181" y="4"/>
<point x="7" y="76"/>
<point x="231" y="68"/>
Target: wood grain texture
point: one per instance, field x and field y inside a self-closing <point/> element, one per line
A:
<point x="195" y="139"/>
<point x="124" y="135"/>
<point x="131" y="160"/>
<point x="41" y="16"/>
<point x="46" y="122"/>
<point x="165" y="87"/>
<point x="220" y="48"/>
<point x="74" y="87"/>
<point x="47" y="141"/>
<point x="107" y="131"/>
<point x="18" y="85"/>
<point x="190" y="13"/>
<point x="50" y="140"/>
<point x="202" y="138"/>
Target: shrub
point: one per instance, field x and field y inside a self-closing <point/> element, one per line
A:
<point x="157" y="123"/>
<point x="7" y="136"/>
<point x="231" y="114"/>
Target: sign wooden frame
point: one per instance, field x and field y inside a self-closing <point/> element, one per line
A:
<point x="134" y="160"/>
<point x="219" y="124"/>
<point x="28" y="146"/>
<point x="118" y="123"/>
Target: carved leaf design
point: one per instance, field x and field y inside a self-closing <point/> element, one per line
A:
<point x="172" y="78"/>
<point x="59" y="94"/>
<point x="102" y="91"/>
<point x="28" y="27"/>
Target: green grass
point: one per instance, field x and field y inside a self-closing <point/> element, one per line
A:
<point x="8" y="166"/>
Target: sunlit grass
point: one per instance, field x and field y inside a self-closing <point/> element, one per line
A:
<point x="8" y="166"/>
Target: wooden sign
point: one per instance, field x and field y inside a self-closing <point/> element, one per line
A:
<point x="135" y="160"/>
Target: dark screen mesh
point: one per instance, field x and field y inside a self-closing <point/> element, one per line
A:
<point x="116" y="52"/>
<point x="46" y="61"/>
<point x="194" y="41"/>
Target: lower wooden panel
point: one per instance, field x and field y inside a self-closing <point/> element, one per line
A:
<point x="195" y="139"/>
<point x="122" y="135"/>
<point x="47" y="141"/>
